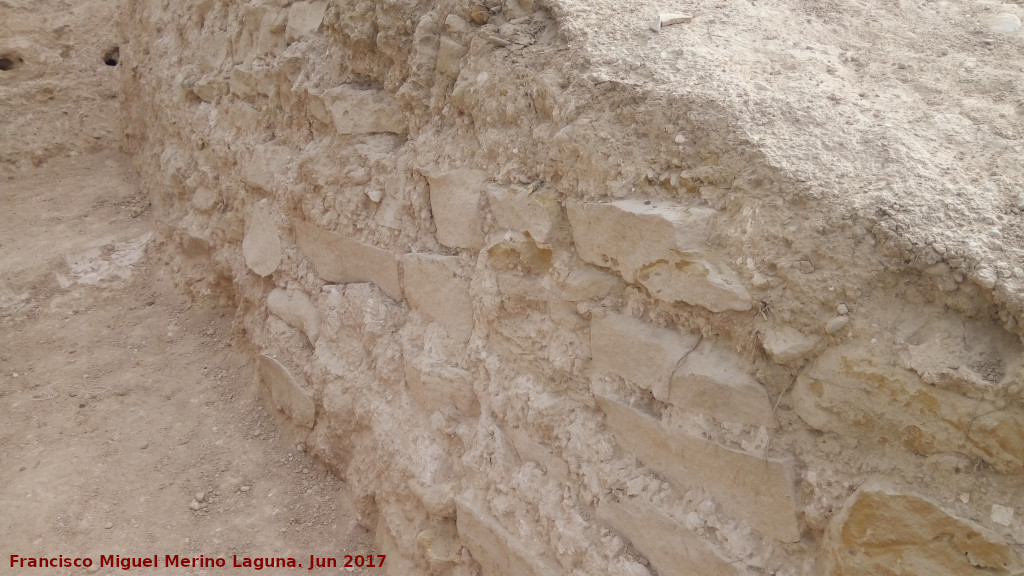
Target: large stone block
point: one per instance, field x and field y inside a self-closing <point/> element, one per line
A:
<point x="851" y="391"/>
<point x="304" y="19"/>
<point x="671" y="548"/>
<point x="711" y="381"/>
<point x="638" y="351"/>
<point x="455" y="198"/>
<point x="261" y="246"/>
<point x="285" y="393"/>
<point x="661" y="246"/>
<point x="357" y="111"/>
<point x="756" y="490"/>
<point x="343" y="260"/>
<point x="885" y="533"/>
<point x="435" y="288"/>
<point x="497" y="550"/>
<point x="268" y="162"/>
<point x="435" y="385"/>
<point x="534" y="212"/>
<point x="296" y="309"/>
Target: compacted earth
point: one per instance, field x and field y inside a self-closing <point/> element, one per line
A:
<point x="130" y="425"/>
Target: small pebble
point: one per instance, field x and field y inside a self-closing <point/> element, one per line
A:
<point x="843" y="309"/>
<point x="244" y="488"/>
<point x="836" y="324"/>
<point x="108" y="525"/>
<point x="1004" y="23"/>
<point x="1002" y="515"/>
<point x="144" y="446"/>
<point x="680" y="139"/>
<point x="195" y="505"/>
<point x="965" y="497"/>
<point x="985" y="277"/>
<point x="200" y="496"/>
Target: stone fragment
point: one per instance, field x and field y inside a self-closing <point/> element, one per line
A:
<point x="786" y="344"/>
<point x="638" y="351"/>
<point x="883" y="532"/>
<point x="281" y="390"/>
<point x="436" y="385"/>
<point x="267" y="163"/>
<point x="449" y="55"/>
<point x="243" y="83"/>
<point x="435" y="288"/>
<point x="836" y="324"/>
<point x="498" y="551"/>
<point x="669" y="19"/>
<point x="206" y="89"/>
<point x="344" y="260"/>
<point x="261" y="246"/>
<point x="710" y="381"/>
<point x="537" y="213"/>
<point x="660" y="245"/>
<point x="670" y="547"/>
<point x="853" y="392"/>
<point x="213" y="50"/>
<point x="205" y="199"/>
<point x="531" y="450"/>
<point x="1002" y="515"/>
<point x="455" y="203"/>
<point x="295" y="308"/>
<point x="358" y="111"/>
<point x="587" y="283"/>
<point x="1003" y="23"/>
<point x="754" y="489"/>
<point x="304" y="19"/>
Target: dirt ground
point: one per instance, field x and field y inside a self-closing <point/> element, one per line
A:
<point x="129" y="425"/>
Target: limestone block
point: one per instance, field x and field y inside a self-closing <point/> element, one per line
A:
<point x="498" y="551"/>
<point x="243" y="83"/>
<point x="786" y="344"/>
<point x="343" y="260"/>
<point x="534" y="212"/>
<point x="434" y="287"/>
<point x="638" y="351"/>
<point x="304" y="19"/>
<point x="587" y="282"/>
<point x="711" y="381"/>
<point x="754" y="489"/>
<point x="357" y="111"/>
<point x="662" y="246"/>
<point x="261" y="246"/>
<point x="296" y="309"/>
<point x="851" y="391"/>
<point x="883" y="532"/>
<point x="267" y="162"/>
<point x="670" y="548"/>
<point x="435" y="385"/>
<point x="455" y="203"/>
<point x="284" y="393"/>
<point x="449" y="54"/>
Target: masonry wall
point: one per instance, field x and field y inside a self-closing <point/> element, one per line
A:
<point x="529" y="314"/>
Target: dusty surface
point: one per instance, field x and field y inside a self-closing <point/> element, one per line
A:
<point x="121" y="402"/>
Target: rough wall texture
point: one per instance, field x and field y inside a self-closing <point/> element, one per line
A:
<point x="545" y="320"/>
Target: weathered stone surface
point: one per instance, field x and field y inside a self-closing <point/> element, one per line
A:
<point x="435" y="385"/>
<point x="660" y="245"/>
<point x="343" y="260"/>
<point x="710" y="381"/>
<point x="261" y="246"/>
<point x="671" y="548"/>
<point x="284" y="392"/>
<point x="435" y="288"/>
<point x="756" y="490"/>
<point x="786" y="344"/>
<point x="268" y="161"/>
<point x="205" y="199"/>
<point x="207" y="90"/>
<point x="295" y="308"/>
<point x="455" y="202"/>
<point x="534" y="212"/>
<point x="449" y="53"/>
<point x="304" y="19"/>
<point x="850" y="391"/>
<point x="531" y="450"/>
<point x="587" y="282"/>
<point x="497" y="550"/>
<point x="883" y="532"/>
<point x="357" y="111"/>
<point x="638" y="351"/>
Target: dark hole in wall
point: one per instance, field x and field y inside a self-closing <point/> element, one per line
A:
<point x="10" y="62"/>
<point x="113" y="56"/>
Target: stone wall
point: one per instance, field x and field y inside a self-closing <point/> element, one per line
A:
<point x="532" y="317"/>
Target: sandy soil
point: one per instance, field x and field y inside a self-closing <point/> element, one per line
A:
<point x="129" y="424"/>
